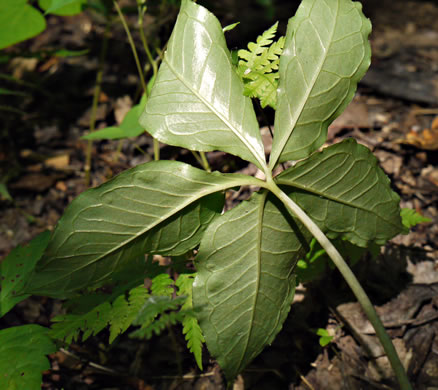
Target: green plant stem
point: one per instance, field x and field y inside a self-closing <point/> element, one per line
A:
<point x="145" y="42"/>
<point x="132" y="44"/>
<point x="139" y="68"/>
<point x="96" y="94"/>
<point x="201" y="158"/>
<point x="351" y="280"/>
<point x="197" y="157"/>
<point x="154" y="71"/>
<point x="205" y="163"/>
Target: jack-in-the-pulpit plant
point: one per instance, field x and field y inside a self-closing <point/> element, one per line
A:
<point x="246" y="257"/>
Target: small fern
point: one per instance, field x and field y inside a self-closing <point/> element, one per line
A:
<point x="119" y="316"/>
<point x="258" y="67"/>
<point x="68" y="327"/>
<point x="191" y="328"/>
<point x="153" y="316"/>
<point x="126" y="311"/>
<point x="162" y="285"/>
<point x="152" y="310"/>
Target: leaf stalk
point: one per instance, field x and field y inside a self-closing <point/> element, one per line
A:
<point x="139" y="68"/>
<point x="351" y="280"/>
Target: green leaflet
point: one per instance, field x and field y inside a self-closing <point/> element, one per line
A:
<point x="16" y="268"/>
<point x="22" y="357"/>
<point x="325" y="55"/>
<point x="159" y="207"/>
<point x="245" y="284"/>
<point x="352" y="198"/>
<point x="19" y="21"/>
<point x="197" y="101"/>
<point x="62" y="7"/>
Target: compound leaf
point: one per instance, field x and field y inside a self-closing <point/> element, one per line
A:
<point x="22" y="356"/>
<point x="245" y="282"/>
<point x="126" y="311"/>
<point x="325" y="55"/>
<point x="352" y="198"/>
<point x="159" y="207"/>
<point x="412" y="218"/>
<point x="162" y="285"/>
<point x="197" y="101"/>
<point x="191" y="329"/>
<point x="258" y="67"/>
<point x="68" y="327"/>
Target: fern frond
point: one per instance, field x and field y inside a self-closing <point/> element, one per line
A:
<point x="191" y="328"/>
<point x="162" y="285"/>
<point x="152" y="311"/>
<point x="126" y="311"/>
<point x="158" y="325"/>
<point x="119" y="316"/>
<point x="258" y="67"/>
<point x="68" y="327"/>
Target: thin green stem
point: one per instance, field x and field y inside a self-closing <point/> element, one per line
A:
<point x="132" y="44"/>
<point x="201" y="158"/>
<point x="351" y="280"/>
<point x="154" y="70"/>
<point x="197" y="157"/>
<point x="205" y="163"/>
<point x="145" y="42"/>
<point x="96" y="94"/>
<point x="139" y="68"/>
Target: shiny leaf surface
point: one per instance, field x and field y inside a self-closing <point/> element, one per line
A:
<point x="325" y="55"/>
<point x="159" y="207"/>
<point x="352" y="198"/>
<point x="245" y="282"/>
<point x="197" y="101"/>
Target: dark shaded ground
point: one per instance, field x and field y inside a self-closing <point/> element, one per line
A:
<point x="42" y="159"/>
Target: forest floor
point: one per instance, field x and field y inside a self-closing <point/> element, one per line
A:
<point x="394" y="113"/>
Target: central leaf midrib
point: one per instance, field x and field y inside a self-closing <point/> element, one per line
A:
<point x="217" y="113"/>
<point x="301" y="106"/>
<point x="261" y="210"/>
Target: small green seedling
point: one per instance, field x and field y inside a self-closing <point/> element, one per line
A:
<point x="325" y="338"/>
<point x="246" y="257"/>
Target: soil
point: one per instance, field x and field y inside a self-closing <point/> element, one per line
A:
<point x="394" y="113"/>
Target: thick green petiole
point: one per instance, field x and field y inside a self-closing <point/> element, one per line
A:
<point x="351" y="280"/>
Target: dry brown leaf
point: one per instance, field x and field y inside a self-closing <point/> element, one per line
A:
<point x="58" y="162"/>
<point x="426" y="139"/>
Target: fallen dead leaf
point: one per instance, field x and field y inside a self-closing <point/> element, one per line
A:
<point x="60" y="185"/>
<point x="426" y="139"/>
<point x="121" y="107"/>
<point x="58" y="162"/>
<point x="355" y="116"/>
